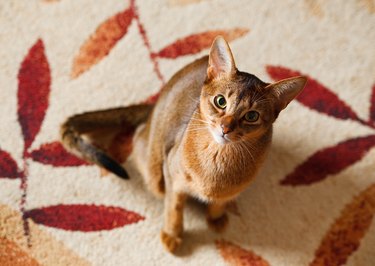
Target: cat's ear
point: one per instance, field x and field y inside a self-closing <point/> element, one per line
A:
<point x="220" y="61"/>
<point x="286" y="90"/>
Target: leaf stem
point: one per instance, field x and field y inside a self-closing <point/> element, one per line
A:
<point x="366" y="123"/>
<point x="146" y="42"/>
<point x="23" y="187"/>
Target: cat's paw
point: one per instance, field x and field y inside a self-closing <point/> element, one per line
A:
<point x="218" y="224"/>
<point x="171" y="243"/>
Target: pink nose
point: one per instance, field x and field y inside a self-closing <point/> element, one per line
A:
<point x="226" y="129"/>
<point x="227" y="124"/>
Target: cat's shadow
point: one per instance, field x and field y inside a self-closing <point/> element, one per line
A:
<point x="198" y="236"/>
<point x="194" y="236"/>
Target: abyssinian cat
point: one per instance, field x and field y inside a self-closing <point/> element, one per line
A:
<point x="206" y="136"/>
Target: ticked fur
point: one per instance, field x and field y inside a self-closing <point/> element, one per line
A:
<point x="193" y="148"/>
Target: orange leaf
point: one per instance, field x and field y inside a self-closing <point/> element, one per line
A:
<point x="197" y="42"/>
<point x="344" y="236"/>
<point x="102" y="41"/>
<point x="238" y="256"/>
<point x="12" y="254"/>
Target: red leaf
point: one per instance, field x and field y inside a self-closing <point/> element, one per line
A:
<point x="237" y="256"/>
<point x="330" y="161"/>
<point x="55" y="154"/>
<point x="34" y="81"/>
<point x="345" y="234"/>
<point x="8" y="167"/>
<point x="197" y="42"/>
<point x="102" y="41"/>
<point x="315" y="95"/>
<point x="372" y="105"/>
<point x="82" y="217"/>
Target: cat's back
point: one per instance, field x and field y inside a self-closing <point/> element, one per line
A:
<point x="188" y="80"/>
<point x="178" y="100"/>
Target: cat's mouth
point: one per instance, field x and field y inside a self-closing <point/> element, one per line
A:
<point x="219" y="137"/>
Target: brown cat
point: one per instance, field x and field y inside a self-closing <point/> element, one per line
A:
<point x="206" y="137"/>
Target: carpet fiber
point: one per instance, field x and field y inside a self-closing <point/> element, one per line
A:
<point x="313" y="201"/>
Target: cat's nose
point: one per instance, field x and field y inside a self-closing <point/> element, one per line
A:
<point x="225" y="130"/>
<point x="227" y="124"/>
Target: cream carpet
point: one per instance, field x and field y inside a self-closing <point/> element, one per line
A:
<point x="312" y="204"/>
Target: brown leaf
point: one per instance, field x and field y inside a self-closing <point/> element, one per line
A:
<point x="102" y="41"/>
<point x="238" y="256"/>
<point x="45" y="248"/>
<point x="345" y="234"/>
<point x="12" y="255"/>
<point x="197" y="42"/>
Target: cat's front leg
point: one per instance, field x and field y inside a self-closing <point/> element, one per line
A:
<point x="173" y="224"/>
<point x="217" y="219"/>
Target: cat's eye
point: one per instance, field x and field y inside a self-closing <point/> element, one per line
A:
<point x="220" y="101"/>
<point x="251" y="116"/>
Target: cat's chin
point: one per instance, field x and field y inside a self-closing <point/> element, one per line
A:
<point x="219" y="138"/>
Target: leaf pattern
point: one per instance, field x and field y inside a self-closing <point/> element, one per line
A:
<point x="330" y="161"/>
<point x="315" y="95"/>
<point x="55" y="154"/>
<point x="34" y="81"/>
<point x="82" y="217"/>
<point x="102" y="41"/>
<point x="13" y="255"/>
<point x="195" y="43"/>
<point x="237" y="256"/>
<point x="345" y="234"/>
<point x="8" y="167"/>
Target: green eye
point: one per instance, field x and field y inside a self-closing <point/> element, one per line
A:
<point x="251" y="116"/>
<point x="220" y="101"/>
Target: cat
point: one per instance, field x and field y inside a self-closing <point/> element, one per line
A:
<point x="206" y="137"/>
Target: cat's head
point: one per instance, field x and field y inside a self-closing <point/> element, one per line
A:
<point x="238" y="106"/>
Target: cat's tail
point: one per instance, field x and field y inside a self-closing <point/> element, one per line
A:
<point x="75" y="128"/>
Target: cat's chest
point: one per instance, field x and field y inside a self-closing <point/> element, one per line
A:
<point x="212" y="173"/>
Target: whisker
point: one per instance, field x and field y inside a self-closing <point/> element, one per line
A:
<point x="191" y="98"/>
<point x="247" y="148"/>
<point x="263" y="101"/>
<point x="199" y="120"/>
<point x="195" y="130"/>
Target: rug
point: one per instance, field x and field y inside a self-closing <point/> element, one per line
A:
<point x="313" y="202"/>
